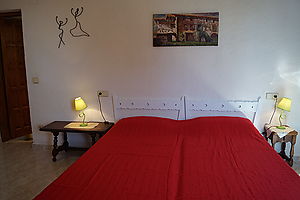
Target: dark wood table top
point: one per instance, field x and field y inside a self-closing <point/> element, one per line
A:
<point x="58" y="126"/>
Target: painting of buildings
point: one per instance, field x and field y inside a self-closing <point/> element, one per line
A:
<point x="195" y="29"/>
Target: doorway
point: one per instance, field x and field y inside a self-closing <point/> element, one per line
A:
<point x="14" y="105"/>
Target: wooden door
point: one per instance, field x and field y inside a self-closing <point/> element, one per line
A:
<point x="15" y="120"/>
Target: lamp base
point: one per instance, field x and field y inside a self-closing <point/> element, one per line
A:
<point x="281" y="127"/>
<point x="83" y="125"/>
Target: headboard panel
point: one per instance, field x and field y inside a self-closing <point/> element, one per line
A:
<point x="183" y="108"/>
<point x="241" y="108"/>
<point x="129" y="107"/>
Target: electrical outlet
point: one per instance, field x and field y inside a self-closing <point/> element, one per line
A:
<point x="272" y="95"/>
<point x="102" y="93"/>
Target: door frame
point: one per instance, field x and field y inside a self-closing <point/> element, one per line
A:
<point x="4" y="115"/>
<point x="4" y="123"/>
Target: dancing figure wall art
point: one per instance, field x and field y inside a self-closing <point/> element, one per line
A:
<point x="77" y="30"/>
<point x="60" y="24"/>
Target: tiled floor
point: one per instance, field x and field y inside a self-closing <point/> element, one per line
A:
<point x="296" y="165"/>
<point x="26" y="169"/>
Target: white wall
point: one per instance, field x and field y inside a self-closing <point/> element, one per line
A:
<point x="258" y="52"/>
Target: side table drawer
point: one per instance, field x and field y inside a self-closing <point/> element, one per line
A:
<point x="287" y="138"/>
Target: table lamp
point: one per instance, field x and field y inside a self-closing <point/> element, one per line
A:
<point x="285" y="105"/>
<point x="80" y="106"/>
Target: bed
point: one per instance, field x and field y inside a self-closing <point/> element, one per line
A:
<point x="211" y="158"/>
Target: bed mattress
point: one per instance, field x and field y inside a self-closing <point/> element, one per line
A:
<point x="209" y="158"/>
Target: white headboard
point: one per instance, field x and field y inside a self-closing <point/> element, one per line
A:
<point x="238" y="108"/>
<point x="129" y="107"/>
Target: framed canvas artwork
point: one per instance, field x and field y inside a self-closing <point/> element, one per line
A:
<point x="194" y="29"/>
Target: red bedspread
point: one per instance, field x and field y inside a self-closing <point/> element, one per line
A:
<point x="209" y="158"/>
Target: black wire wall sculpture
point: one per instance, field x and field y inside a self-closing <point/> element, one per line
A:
<point x="60" y="24"/>
<point x="77" y="31"/>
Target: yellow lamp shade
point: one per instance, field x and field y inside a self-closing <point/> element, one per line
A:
<point x="285" y="104"/>
<point x="79" y="104"/>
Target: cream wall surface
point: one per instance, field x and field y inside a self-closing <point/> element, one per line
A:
<point x="258" y="52"/>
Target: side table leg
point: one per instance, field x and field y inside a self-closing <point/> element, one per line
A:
<point x="291" y="161"/>
<point x="93" y="135"/>
<point x="55" y="148"/>
<point x="273" y="140"/>
<point x="265" y="135"/>
<point x="282" y="152"/>
<point x="66" y="143"/>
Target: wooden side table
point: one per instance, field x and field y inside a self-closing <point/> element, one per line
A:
<point x="57" y="127"/>
<point x="273" y="133"/>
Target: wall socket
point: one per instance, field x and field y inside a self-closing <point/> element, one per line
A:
<point x="102" y="93"/>
<point x="272" y="95"/>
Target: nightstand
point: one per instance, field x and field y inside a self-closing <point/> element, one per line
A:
<point x="283" y="136"/>
<point x="57" y="127"/>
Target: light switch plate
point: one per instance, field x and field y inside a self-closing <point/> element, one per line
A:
<point x="35" y="80"/>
